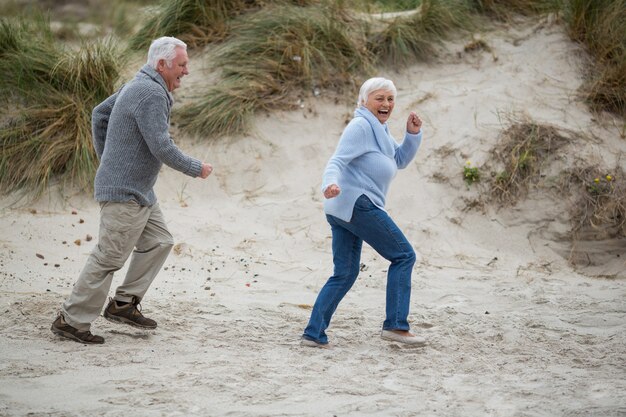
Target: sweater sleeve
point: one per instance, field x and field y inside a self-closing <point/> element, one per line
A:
<point x="352" y="144"/>
<point x="152" y="118"/>
<point x="407" y="150"/>
<point x="100" y="122"/>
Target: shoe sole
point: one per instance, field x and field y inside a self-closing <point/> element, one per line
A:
<point x="403" y="341"/>
<point x="70" y="336"/>
<point x="124" y="320"/>
<point x="314" y="344"/>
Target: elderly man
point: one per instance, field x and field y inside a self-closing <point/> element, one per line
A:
<point x="131" y="138"/>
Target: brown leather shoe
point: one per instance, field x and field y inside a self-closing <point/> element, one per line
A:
<point x="61" y="328"/>
<point x="129" y="313"/>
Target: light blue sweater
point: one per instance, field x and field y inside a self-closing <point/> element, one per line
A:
<point x="131" y="137"/>
<point x="365" y="161"/>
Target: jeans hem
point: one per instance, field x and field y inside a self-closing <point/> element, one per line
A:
<point x="314" y="340"/>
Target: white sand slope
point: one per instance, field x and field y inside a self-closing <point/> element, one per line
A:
<point x="513" y="329"/>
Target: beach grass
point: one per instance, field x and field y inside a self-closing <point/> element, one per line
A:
<point x="601" y="26"/>
<point x="269" y="55"/>
<point x="411" y="38"/>
<point x="295" y="45"/>
<point x="48" y="93"/>
<point x="286" y="51"/>
<point x="197" y="22"/>
<point x="225" y="109"/>
<point x="25" y="63"/>
<point x="274" y="55"/>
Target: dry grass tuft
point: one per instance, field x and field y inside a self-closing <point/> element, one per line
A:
<point x="523" y="151"/>
<point x="600" y="204"/>
<point x="477" y="45"/>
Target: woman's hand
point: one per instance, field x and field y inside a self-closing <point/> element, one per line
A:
<point x="332" y="191"/>
<point x="413" y="124"/>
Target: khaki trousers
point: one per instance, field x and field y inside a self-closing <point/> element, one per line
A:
<point x="125" y="228"/>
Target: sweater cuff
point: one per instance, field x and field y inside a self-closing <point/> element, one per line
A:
<point x="417" y="135"/>
<point x="195" y="169"/>
<point x="327" y="183"/>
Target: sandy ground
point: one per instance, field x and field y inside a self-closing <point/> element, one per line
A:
<point x="513" y="328"/>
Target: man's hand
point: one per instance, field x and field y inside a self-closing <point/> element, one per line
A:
<point x="206" y="170"/>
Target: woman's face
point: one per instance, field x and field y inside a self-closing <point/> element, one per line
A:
<point x="380" y="103"/>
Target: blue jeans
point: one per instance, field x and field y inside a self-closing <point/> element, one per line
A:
<point x="376" y="228"/>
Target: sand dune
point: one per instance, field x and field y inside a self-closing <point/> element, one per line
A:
<point x="513" y="328"/>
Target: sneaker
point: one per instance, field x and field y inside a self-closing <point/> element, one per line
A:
<point x="396" y="337"/>
<point x="312" y="343"/>
<point x="61" y="328"/>
<point x="129" y="314"/>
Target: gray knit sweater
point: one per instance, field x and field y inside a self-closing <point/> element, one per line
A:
<point x="131" y="137"/>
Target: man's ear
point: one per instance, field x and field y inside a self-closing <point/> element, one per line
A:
<point x="160" y="65"/>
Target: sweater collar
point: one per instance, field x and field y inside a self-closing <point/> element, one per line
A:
<point x="151" y="72"/>
<point x="381" y="131"/>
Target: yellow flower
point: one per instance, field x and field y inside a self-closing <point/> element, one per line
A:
<point x="597" y="180"/>
<point x="609" y="178"/>
<point x="468" y="163"/>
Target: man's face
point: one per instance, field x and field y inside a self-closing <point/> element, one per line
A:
<point x="173" y="74"/>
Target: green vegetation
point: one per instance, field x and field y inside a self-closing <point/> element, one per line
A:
<point x="49" y="93"/>
<point x="274" y="54"/>
<point x="470" y="174"/>
<point x="406" y="39"/>
<point x="523" y="151"/>
<point x="601" y="26"/>
<point x="270" y="54"/>
<point x="225" y="109"/>
<point x="280" y="51"/>
<point x="197" y="22"/>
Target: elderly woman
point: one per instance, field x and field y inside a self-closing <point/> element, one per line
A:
<point x="355" y="183"/>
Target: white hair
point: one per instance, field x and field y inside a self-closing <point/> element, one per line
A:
<point x="373" y="84"/>
<point x="164" y="48"/>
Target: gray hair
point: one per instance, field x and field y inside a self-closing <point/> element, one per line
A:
<point x="373" y="84"/>
<point x="164" y="48"/>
